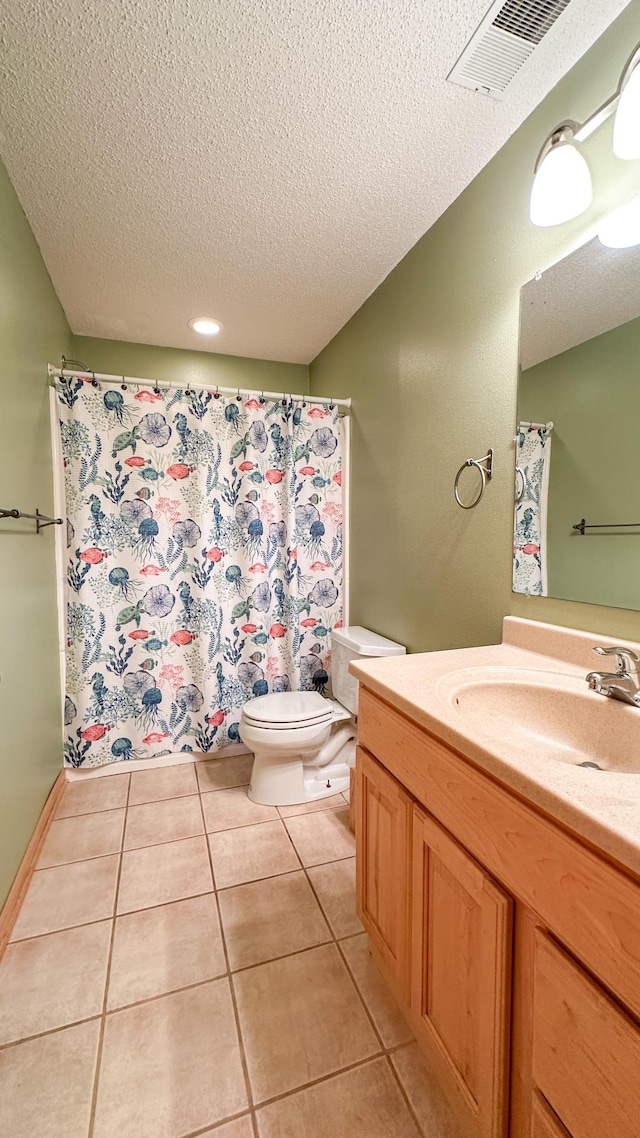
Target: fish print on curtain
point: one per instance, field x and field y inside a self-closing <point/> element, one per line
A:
<point x="204" y="563"/>
<point x="533" y="455"/>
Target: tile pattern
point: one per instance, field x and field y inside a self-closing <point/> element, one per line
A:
<point x="213" y="980"/>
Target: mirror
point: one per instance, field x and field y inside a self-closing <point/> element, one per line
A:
<point x="577" y="512"/>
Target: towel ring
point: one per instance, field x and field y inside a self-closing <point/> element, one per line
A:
<point x="486" y="472"/>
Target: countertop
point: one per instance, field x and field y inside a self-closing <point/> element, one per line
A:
<point x="603" y="807"/>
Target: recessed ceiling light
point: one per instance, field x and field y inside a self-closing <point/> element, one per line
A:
<point x="205" y="325"/>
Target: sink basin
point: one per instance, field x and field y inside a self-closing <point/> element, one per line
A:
<point x="550" y="715"/>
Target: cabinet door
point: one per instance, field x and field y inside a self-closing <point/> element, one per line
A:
<point x="586" y="1050"/>
<point x="383" y="847"/>
<point x="461" y="976"/>
<point x="544" y="1123"/>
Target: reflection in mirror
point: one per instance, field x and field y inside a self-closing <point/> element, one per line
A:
<point x="577" y="511"/>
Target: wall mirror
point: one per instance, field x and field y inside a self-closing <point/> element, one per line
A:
<point x="577" y="479"/>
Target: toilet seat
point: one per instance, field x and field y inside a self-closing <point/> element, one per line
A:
<point x="286" y="711"/>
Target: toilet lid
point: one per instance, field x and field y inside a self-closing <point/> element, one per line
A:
<point x="287" y="709"/>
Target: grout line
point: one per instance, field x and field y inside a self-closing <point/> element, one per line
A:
<point x="103" y="1021"/>
<point x="396" y="1077"/>
<point x="50" y="1031"/>
<point x="322" y="1079"/>
<point x="213" y="1129"/>
<point x="234" y="1003"/>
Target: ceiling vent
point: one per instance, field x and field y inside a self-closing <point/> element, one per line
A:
<point x="502" y="44"/>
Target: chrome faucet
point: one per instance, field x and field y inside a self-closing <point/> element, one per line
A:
<point x="623" y="684"/>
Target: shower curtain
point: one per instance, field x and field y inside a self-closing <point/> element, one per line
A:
<point x="533" y="457"/>
<point x="204" y="562"/>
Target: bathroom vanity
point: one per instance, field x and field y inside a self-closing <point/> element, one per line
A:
<point x="499" y="880"/>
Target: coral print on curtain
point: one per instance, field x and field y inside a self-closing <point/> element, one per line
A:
<point x="204" y="540"/>
<point x="533" y="456"/>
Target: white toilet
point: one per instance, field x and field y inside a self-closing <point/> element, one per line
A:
<point x="303" y="743"/>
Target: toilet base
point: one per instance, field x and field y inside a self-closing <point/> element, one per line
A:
<point x="292" y="784"/>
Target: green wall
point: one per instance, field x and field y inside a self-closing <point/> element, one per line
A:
<point x="33" y="330"/>
<point x="143" y="361"/>
<point x="431" y="363"/>
<point x="591" y="394"/>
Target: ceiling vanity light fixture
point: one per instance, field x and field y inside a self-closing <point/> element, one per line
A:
<point x="621" y="229"/>
<point x="562" y="184"/>
<point x="626" y="125"/>
<point x="561" y="187"/>
<point x="205" y="325"/>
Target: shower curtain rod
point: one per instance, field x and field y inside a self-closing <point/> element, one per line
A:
<point x="154" y="384"/>
<point x="536" y="426"/>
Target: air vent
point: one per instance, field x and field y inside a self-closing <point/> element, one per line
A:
<point x="504" y="41"/>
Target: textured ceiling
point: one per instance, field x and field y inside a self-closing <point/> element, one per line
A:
<point x="590" y="292"/>
<point x="266" y="162"/>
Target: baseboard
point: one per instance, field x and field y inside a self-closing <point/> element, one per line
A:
<point x="13" y="903"/>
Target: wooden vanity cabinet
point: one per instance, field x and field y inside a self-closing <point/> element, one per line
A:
<point x="512" y="947"/>
<point x="383" y="829"/>
<point x="461" y="973"/>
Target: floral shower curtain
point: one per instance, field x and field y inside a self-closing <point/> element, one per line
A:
<point x="533" y="456"/>
<point x="204" y="562"/>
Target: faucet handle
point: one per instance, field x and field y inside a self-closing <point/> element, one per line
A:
<point x="626" y="658"/>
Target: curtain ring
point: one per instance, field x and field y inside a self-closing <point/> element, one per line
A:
<point x="156" y="390"/>
<point x="238" y="396"/>
<point x="331" y="405"/>
<point x="123" y="385"/>
<point x="94" y="382"/>
<point x="304" y="402"/>
<point x="216" y="394"/>
<point x="262" y="398"/>
<point x="187" y="389"/>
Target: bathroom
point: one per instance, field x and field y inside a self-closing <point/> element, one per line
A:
<point x="360" y="228"/>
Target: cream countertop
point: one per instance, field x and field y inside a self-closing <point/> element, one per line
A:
<point x="601" y="806"/>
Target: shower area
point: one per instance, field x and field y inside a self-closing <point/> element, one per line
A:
<point x="202" y="561"/>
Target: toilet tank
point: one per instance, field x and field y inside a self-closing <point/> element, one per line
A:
<point x="355" y="643"/>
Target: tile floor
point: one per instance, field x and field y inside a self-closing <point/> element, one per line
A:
<point x="189" y="964"/>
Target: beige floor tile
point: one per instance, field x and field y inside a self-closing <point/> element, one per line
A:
<point x="270" y="918"/>
<point x="170" y="1066"/>
<point x="364" y="1103"/>
<point x="82" y="837"/>
<point x="46" y="1085"/>
<point x="311" y="807"/>
<point x="228" y="809"/>
<point x="51" y="981"/>
<point x="68" y="895"/>
<point x="383" y="1009"/>
<point x="103" y="793"/>
<point x="321" y="837"/>
<point x="421" y="1088"/>
<point x="335" y="884"/>
<point x="216" y="774"/>
<point x="156" y="875"/>
<point x="250" y="853"/>
<point x="159" y="950"/>
<point x="163" y="782"/>
<point x="300" y="1019"/>
<point x="167" y="821"/>
<point x="239" y="1128"/>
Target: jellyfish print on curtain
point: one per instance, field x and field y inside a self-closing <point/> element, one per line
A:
<point x="204" y="563"/>
<point x="533" y="456"/>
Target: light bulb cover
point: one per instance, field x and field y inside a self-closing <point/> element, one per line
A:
<point x="626" y="125"/>
<point x="621" y="229"/>
<point x="562" y="186"/>
<point x="205" y="325"/>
